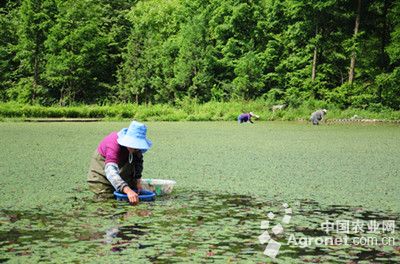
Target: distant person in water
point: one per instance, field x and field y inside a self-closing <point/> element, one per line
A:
<point x="317" y="116"/>
<point x="246" y="117"/>
<point x="117" y="163"/>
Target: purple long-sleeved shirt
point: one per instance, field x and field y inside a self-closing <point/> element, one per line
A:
<point x="244" y="118"/>
<point x="111" y="150"/>
<point x="115" y="156"/>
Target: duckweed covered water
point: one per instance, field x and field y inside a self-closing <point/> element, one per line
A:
<point x="182" y="228"/>
<point x="229" y="178"/>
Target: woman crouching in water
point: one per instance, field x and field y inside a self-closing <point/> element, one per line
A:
<point x="117" y="163"/>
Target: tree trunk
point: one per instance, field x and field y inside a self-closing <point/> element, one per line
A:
<point x="353" y="54"/>
<point x="62" y="101"/>
<point x="385" y="35"/>
<point x="314" y="62"/>
<point x="35" y="79"/>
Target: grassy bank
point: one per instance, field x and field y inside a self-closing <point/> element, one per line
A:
<point x="189" y="111"/>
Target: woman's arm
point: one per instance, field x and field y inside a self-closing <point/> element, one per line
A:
<point x="112" y="173"/>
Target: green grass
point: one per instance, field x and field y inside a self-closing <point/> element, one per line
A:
<point x="188" y="110"/>
<point x="229" y="177"/>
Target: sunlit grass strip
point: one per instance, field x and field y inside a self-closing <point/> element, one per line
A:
<point x="187" y="111"/>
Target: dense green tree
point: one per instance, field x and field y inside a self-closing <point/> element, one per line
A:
<point x="34" y="20"/>
<point x="8" y="38"/>
<point x="343" y="52"/>
<point x="389" y="82"/>
<point x="238" y="35"/>
<point x="150" y="52"/>
<point x="77" y="59"/>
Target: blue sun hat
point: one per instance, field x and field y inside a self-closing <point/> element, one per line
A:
<point x="134" y="137"/>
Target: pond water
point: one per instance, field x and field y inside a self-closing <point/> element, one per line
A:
<point x="230" y="180"/>
<point x="194" y="227"/>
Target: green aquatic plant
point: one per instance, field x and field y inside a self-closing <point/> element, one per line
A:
<point x="178" y="228"/>
<point x="228" y="178"/>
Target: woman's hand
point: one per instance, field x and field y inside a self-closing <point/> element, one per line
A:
<point x="132" y="196"/>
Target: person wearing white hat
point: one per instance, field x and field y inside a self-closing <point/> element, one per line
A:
<point x="317" y="116"/>
<point x="246" y="117"/>
<point x="117" y="163"/>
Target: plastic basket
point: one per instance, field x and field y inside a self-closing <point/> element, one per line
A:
<point x="159" y="186"/>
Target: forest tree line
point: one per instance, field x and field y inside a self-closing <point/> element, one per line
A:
<point x="343" y="52"/>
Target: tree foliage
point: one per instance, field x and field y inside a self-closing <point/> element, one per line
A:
<point x="346" y="53"/>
